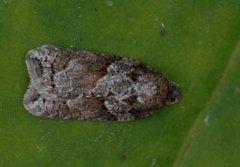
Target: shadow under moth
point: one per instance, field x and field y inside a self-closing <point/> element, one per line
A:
<point x="77" y="84"/>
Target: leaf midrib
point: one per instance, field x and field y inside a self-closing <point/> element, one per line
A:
<point x="198" y="123"/>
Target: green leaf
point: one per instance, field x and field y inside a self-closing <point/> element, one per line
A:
<point x="199" y="49"/>
<point x="214" y="137"/>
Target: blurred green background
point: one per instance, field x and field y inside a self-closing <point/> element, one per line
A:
<point x="199" y="50"/>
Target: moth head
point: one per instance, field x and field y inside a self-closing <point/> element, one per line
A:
<point x="174" y="92"/>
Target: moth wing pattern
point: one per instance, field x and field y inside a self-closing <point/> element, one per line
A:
<point x="78" y="84"/>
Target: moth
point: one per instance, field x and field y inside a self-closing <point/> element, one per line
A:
<point x="83" y="85"/>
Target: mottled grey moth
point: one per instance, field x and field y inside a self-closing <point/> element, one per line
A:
<point x="83" y="85"/>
